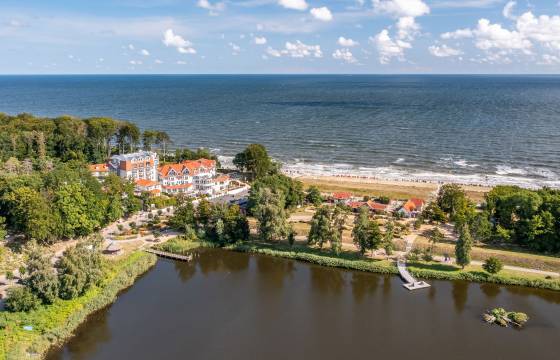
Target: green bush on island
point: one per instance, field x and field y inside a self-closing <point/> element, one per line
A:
<point x="503" y="318"/>
<point x="492" y="265"/>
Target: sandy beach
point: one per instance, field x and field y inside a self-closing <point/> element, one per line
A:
<point x="391" y="188"/>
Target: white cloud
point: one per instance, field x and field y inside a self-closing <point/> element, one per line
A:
<point x="293" y="4"/>
<point x="400" y="8"/>
<point x="181" y="62"/>
<point x="548" y="59"/>
<point x="235" y="49"/>
<point x="273" y="52"/>
<point x="183" y="46"/>
<point x="508" y="10"/>
<point x="389" y="48"/>
<point x="342" y="41"/>
<point x="544" y="29"/>
<point x="466" y="3"/>
<point x="212" y="8"/>
<point x="259" y="40"/>
<point x="296" y="50"/>
<point x="345" y="55"/>
<point x="444" y="51"/>
<point x="158" y="61"/>
<point x="457" y="34"/>
<point x="135" y="62"/>
<point x="494" y="36"/>
<point x="407" y="28"/>
<point x="145" y="52"/>
<point x="130" y="47"/>
<point x="322" y="13"/>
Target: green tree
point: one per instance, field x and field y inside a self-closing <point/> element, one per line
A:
<point x="255" y="161"/>
<point x="79" y="208"/>
<point x="313" y="196"/>
<point x="433" y="213"/>
<point x="388" y="237"/>
<point x="128" y="137"/>
<point x="184" y="217"/>
<point x="338" y="220"/>
<point x="271" y="216"/>
<point x="360" y="231"/>
<point x="42" y="279"/>
<point x="79" y="268"/>
<point x="463" y="247"/>
<point x="29" y="213"/>
<point x="3" y="231"/>
<point x="162" y="140"/>
<point x="452" y="199"/>
<point x="322" y="230"/>
<point x="20" y="298"/>
<point x="149" y="138"/>
<point x="435" y="236"/>
<point x="492" y="265"/>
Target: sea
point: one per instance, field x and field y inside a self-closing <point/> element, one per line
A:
<point x="483" y="130"/>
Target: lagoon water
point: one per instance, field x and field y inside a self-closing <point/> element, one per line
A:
<point x="227" y="305"/>
<point x="471" y="129"/>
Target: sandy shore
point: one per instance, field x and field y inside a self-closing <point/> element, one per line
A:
<point x="391" y="188"/>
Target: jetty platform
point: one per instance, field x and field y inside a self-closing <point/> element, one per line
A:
<point x="169" y="255"/>
<point x="409" y="281"/>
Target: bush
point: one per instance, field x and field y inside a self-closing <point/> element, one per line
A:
<point x="427" y="256"/>
<point x="492" y="265"/>
<point x="10" y="275"/>
<point x="20" y="298"/>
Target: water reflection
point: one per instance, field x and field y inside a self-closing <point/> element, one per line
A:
<point x="363" y="284"/>
<point x="491" y="291"/>
<point x="460" y="293"/>
<point x="275" y="271"/>
<point x="327" y="280"/>
<point x="210" y="260"/>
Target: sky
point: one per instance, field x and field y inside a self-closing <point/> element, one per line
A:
<point x="279" y="36"/>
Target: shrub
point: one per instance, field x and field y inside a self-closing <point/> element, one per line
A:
<point x="492" y="265"/>
<point x="427" y="256"/>
<point x="10" y="275"/>
<point x="20" y="298"/>
<point x="120" y="227"/>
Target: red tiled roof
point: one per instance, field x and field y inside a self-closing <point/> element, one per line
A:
<point x="144" y="182"/>
<point x="409" y="206"/>
<point x="376" y="206"/>
<point x="98" y="168"/>
<point x="194" y="166"/>
<point x="356" y="204"/>
<point x="222" y="178"/>
<point x="417" y="202"/>
<point x="342" y="195"/>
<point x="164" y="170"/>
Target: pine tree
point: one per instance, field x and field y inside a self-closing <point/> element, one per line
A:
<point x="463" y="247"/>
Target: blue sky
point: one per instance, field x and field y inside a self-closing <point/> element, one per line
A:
<point x="279" y="36"/>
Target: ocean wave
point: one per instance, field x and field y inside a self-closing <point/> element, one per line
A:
<point x="399" y="161"/>
<point x="391" y="173"/>
<point x="528" y="171"/>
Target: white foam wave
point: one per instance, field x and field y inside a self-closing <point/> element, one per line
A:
<point x="399" y="160"/>
<point x="398" y="174"/>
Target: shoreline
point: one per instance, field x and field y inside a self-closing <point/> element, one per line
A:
<point x="54" y="324"/>
<point x="399" y="189"/>
<point x="531" y="178"/>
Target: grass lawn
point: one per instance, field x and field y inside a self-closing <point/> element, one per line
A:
<point x="513" y="258"/>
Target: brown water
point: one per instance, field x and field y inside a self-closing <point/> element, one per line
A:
<point x="227" y="305"/>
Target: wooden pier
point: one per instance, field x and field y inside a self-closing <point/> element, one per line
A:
<point x="169" y="255"/>
<point x="410" y="282"/>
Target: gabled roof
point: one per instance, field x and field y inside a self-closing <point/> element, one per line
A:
<point x="144" y="182"/>
<point x="417" y="202"/>
<point x="99" y="168"/>
<point x="342" y="195"/>
<point x="221" y="179"/>
<point x="356" y="204"/>
<point x="376" y="206"/>
<point x="193" y="167"/>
